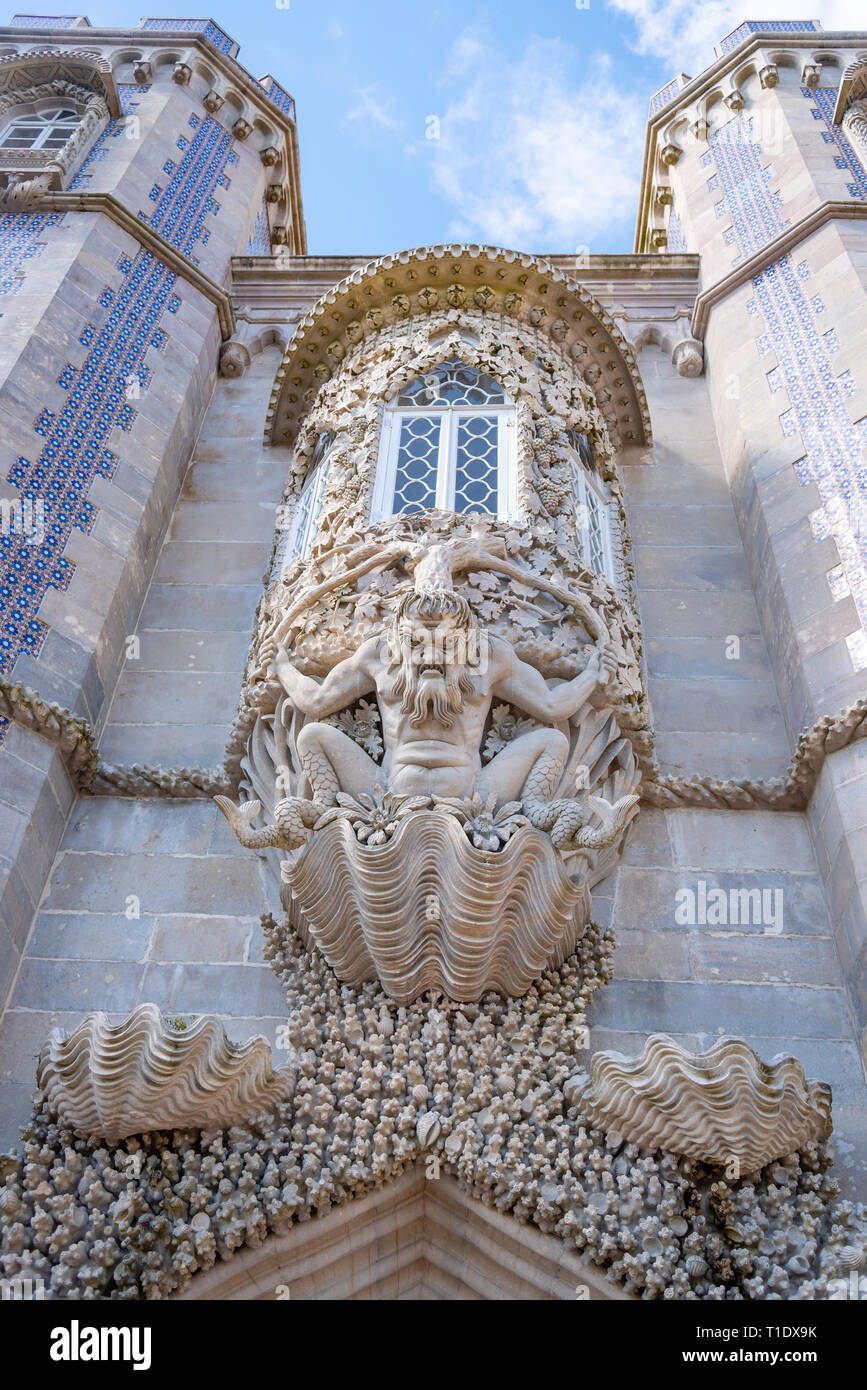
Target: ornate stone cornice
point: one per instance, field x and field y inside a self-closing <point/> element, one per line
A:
<point x="487" y="278"/>
<point x="759" y="50"/>
<point x="233" y="77"/>
<point x="830" y="211"/>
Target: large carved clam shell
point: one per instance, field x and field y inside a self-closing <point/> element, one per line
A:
<point x="111" y="1081"/>
<point x="427" y="910"/>
<point x="716" y="1105"/>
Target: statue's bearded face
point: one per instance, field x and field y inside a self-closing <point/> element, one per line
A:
<point x="434" y="656"/>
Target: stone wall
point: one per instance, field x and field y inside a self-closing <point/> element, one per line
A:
<point x="196" y="944"/>
<point x="112" y="320"/>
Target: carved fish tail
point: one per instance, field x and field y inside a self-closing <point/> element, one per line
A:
<point x="542" y="778"/>
<point x="294" y="818"/>
<point x="321" y="776"/>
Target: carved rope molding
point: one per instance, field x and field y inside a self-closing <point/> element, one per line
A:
<point x="789" y="793"/>
<point x="75" y="742"/>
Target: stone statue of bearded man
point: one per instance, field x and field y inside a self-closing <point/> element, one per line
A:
<point x="435" y="674"/>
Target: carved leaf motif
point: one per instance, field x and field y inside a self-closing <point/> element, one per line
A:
<point x="485" y="580"/>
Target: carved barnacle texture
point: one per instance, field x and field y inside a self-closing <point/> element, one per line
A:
<point x="378" y="1087"/>
<point x="113" y="1080"/>
<point x="717" y="1106"/>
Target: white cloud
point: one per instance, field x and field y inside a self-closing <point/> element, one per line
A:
<point x="684" y="32"/>
<point x="530" y="158"/>
<point x="372" y="112"/>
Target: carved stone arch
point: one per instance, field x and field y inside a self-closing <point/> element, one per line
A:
<point x="50" y="166"/>
<point x="445" y="337"/>
<point x="266" y="133"/>
<point x="646" y="335"/>
<point x="829" y="58"/>
<point x="204" y="77"/>
<point x="79" y="67"/>
<point x="499" y="286"/>
<point x="164" y="61"/>
<point x="236" y="104"/>
<point x="718" y="105"/>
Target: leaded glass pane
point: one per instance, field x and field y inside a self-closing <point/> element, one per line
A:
<point x="583" y="448"/>
<point x="415" y="482"/>
<point x="452" y="383"/>
<point x="595" y="537"/>
<point x="476" y="464"/>
<point x="44" y="130"/>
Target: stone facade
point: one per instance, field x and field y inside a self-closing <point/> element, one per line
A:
<point x="171" y="357"/>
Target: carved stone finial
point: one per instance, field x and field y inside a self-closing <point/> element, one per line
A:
<point x="234" y="359"/>
<point x="143" y="72"/>
<point x="241" y="129"/>
<point x="181" y="73"/>
<point x="734" y="101"/>
<point x="670" y="153"/>
<point x="269" y="155"/>
<point x="212" y="101"/>
<point x="811" y="75"/>
<point x="688" y="357"/>
<point x="769" y="75"/>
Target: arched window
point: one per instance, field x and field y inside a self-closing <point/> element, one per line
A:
<point x="592" y="506"/>
<point x="48" y="129"/>
<point x="309" y="508"/>
<point x="448" y="441"/>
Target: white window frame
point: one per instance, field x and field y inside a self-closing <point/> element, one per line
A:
<point x="305" y="519"/>
<point x="583" y="486"/>
<point x="49" y="128"/>
<point x="446" y="472"/>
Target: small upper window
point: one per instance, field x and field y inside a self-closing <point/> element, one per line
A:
<point x="592" y="506"/>
<point x="448" y="442"/>
<point x="581" y="445"/>
<point x="44" y="130"/>
<point x="309" y="507"/>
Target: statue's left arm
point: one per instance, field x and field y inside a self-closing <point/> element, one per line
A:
<point x="524" y="686"/>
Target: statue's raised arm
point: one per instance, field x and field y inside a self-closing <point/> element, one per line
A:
<point x="524" y="686"/>
<point x="347" y="681"/>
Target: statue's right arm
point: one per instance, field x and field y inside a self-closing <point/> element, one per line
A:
<point x="347" y="681"/>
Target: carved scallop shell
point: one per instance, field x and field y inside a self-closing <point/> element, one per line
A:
<point x="111" y="1081"/>
<point x="427" y="910"/>
<point x="716" y="1105"/>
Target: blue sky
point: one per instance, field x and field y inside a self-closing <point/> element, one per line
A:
<point x="539" y="109"/>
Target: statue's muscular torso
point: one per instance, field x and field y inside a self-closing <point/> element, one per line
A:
<point x="430" y="758"/>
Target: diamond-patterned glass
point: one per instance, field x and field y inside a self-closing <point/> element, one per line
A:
<point x="476" y="464"/>
<point x="452" y="383"/>
<point x="415" y="483"/>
